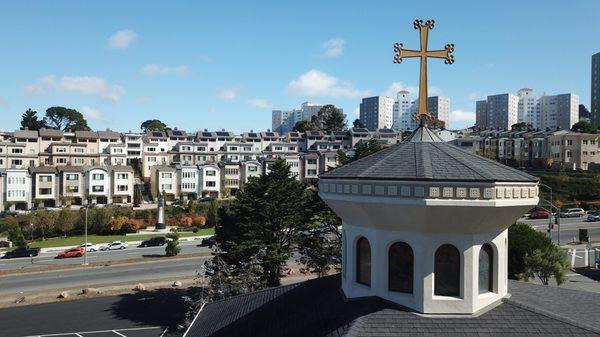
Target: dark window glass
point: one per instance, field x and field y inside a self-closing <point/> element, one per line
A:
<point x="400" y="272"/>
<point x="486" y="269"/>
<point x="447" y="271"/>
<point x="363" y="261"/>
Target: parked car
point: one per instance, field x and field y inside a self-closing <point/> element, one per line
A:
<point x="153" y="242"/>
<point x="22" y="252"/>
<point x="90" y="247"/>
<point x="118" y="245"/>
<point x="539" y="215"/>
<point x="594" y="216"/>
<point x="573" y="213"/>
<point x="72" y="252"/>
<point x="208" y="242"/>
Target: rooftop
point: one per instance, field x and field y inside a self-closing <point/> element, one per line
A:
<point x="319" y="308"/>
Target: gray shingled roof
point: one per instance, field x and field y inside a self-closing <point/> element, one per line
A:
<point x="420" y="160"/>
<point x="319" y="308"/>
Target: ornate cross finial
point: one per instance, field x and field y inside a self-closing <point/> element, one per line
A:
<point x="422" y="114"/>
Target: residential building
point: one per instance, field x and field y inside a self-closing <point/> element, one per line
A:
<point x="16" y="184"/>
<point x="122" y="184"/>
<point x="283" y="121"/>
<point x="188" y="181"/>
<point x="528" y="111"/>
<point x="595" y="91"/>
<point x="249" y="169"/>
<point x="481" y="121"/>
<point x="559" y="112"/>
<point x="574" y="150"/>
<point x="45" y="186"/>
<point x="164" y="180"/>
<point x="439" y="108"/>
<point x="71" y="184"/>
<point x="376" y="112"/>
<point x="401" y="111"/>
<point x="230" y="178"/>
<point x="98" y="185"/>
<point x="210" y="180"/>
<point x="502" y="111"/>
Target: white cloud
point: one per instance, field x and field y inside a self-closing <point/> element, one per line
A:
<point x="91" y="113"/>
<point x="84" y="85"/>
<point x="394" y="87"/>
<point x="152" y="69"/>
<point x="227" y="94"/>
<point x="462" y="116"/>
<point x="315" y="83"/>
<point x="333" y="47"/>
<point x="259" y="103"/>
<point x="122" y="39"/>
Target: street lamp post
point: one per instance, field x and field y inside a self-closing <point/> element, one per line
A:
<point x="85" y="249"/>
<point x="551" y="214"/>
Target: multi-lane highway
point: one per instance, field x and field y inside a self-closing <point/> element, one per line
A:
<point x="569" y="228"/>
<point x="132" y="252"/>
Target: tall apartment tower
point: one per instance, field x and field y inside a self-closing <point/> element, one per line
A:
<point x="401" y="111"/>
<point x="528" y="109"/>
<point x="282" y="121"/>
<point x="376" y="112"/>
<point x="558" y="111"/>
<point x="309" y="109"/>
<point x="481" y="115"/>
<point x="502" y="111"/>
<point x="439" y="108"/>
<point x="595" y="95"/>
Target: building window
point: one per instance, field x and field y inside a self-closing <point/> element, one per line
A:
<point x="447" y="271"/>
<point x="97" y="176"/>
<point x="97" y="188"/>
<point x="211" y="184"/>
<point x="400" y="268"/>
<point x="486" y="269"/>
<point x="122" y="188"/>
<point x="45" y="179"/>
<point x="252" y="168"/>
<point x="211" y="173"/>
<point x="72" y="176"/>
<point x="166" y="175"/>
<point x="122" y="176"/>
<point x="363" y="261"/>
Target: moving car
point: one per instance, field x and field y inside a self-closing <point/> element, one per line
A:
<point x="72" y="252"/>
<point x="90" y="247"/>
<point x="22" y="252"/>
<point x="155" y="241"/>
<point x="208" y="242"/>
<point x="539" y="215"/>
<point x="594" y="216"/>
<point x="573" y="213"/>
<point x="117" y="245"/>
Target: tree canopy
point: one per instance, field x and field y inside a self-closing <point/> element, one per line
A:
<point x="583" y="127"/>
<point x="330" y="118"/>
<point x="522" y="241"/>
<point x="438" y="124"/>
<point x="153" y="125"/>
<point x="29" y="120"/>
<point x="358" y="124"/>
<point x="521" y="126"/>
<point x="303" y="126"/>
<point x="65" y="119"/>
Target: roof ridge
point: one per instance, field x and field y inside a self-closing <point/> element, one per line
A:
<point x="549" y="314"/>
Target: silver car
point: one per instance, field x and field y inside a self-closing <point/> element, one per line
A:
<point x="573" y="213"/>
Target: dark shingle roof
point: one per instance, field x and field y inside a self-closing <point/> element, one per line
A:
<point x="415" y="160"/>
<point x="319" y="308"/>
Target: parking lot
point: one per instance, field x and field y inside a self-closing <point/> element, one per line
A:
<point x="127" y="332"/>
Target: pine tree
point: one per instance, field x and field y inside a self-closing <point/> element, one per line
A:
<point x="30" y="120"/>
<point x="263" y="223"/>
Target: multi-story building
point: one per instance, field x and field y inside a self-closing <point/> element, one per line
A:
<point x="249" y="169"/>
<point x="502" y="111"/>
<point x="210" y="180"/>
<point x="45" y="186"/>
<point x="98" y="185"/>
<point x="401" y="111"/>
<point x="574" y="150"/>
<point x="283" y="121"/>
<point x="231" y="177"/>
<point x="164" y="180"/>
<point x="528" y="111"/>
<point x="376" y="112"/>
<point x="595" y="91"/>
<point x="71" y="184"/>
<point x="122" y="184"/>
<point x="439" y="108"/>
<point x="481" y="115"/>
<point x="559" y="111"/>
<point x="16" y="189"/>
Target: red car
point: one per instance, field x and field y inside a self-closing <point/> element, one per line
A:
<point x="72" y="252"/>
<point x="539" y="215"/>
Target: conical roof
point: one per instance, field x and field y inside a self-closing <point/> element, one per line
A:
<point x="424" y="156"/>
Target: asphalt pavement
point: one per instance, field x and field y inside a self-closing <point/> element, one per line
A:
<point x="148" y="314"/>
<point x="131" y="252"/>
<point x="569" y="228"/>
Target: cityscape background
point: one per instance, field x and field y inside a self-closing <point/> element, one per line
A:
<point x="121" y="64"/>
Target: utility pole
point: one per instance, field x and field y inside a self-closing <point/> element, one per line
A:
<point x="85" y="249"/>
<point x="553" y="217"/>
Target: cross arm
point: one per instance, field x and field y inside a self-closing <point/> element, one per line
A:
<point x="402" y="53"/>
<point x="445" y="54"/>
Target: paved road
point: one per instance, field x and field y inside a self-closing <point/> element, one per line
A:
<point x="99" y="276"/>
<point x="144" y="314"/>
<point x="132" y="252"/>
<point x="569" y="228"/>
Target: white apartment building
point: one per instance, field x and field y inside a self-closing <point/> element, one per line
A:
<point x="405" y="109"/>
<point x="559" y="111"/>
<point x="122" y="184"/>
<point x="210" y="180"/>
<point x="401" y="112"/>
<point x="249" y="169"/>
<point x="377" y="112"/>
<point x="528" y="111"/>
<point x="502" y="111"/>
<point x="188" y="180"/>
<point x="98" y="185"/>
<point x="574" y="150"/>
<point x="16" y="188"/>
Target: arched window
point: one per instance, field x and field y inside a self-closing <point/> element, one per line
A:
<point x="447" y="271"/>
<point x="363" y="261"/>
<point x="486" y="269"/>
<point x="400" y="268"/>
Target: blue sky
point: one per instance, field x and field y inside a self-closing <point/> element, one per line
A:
<point x="225" y="64"/>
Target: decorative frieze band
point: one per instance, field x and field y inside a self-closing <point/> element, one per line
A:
<point x="434" y="191"/>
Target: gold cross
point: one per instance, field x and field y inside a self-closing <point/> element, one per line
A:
<point x="423" y="113"/>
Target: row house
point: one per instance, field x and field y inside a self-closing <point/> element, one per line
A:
<point x="574" y="150"/>
<point x="155" y="151"/>
<point x="45" y="186"/>
<point x="189" y="181"/>
<point x="15" y="184"/>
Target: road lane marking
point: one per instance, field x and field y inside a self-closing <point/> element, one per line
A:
<point x="78" y="333"/>
<point x="120" y="334"/>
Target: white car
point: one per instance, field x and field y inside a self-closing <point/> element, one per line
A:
<point x="117" y="245"/>
<point x="90" y="247"/>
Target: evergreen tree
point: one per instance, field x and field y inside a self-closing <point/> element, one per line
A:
<point x="172" y="248"/>
<point x="62" y="118"/>
<point x="29" y="120"/>
<point x="329" y="118"/>
<point x="358" y="124"/>
<point x="15" y="235"/>
<point x="263" y="223"/>
<point x="303" y="126"/>
<point x="153" y="125"/>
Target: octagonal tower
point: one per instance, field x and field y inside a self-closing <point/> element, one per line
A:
<point x="425" y="224"/>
